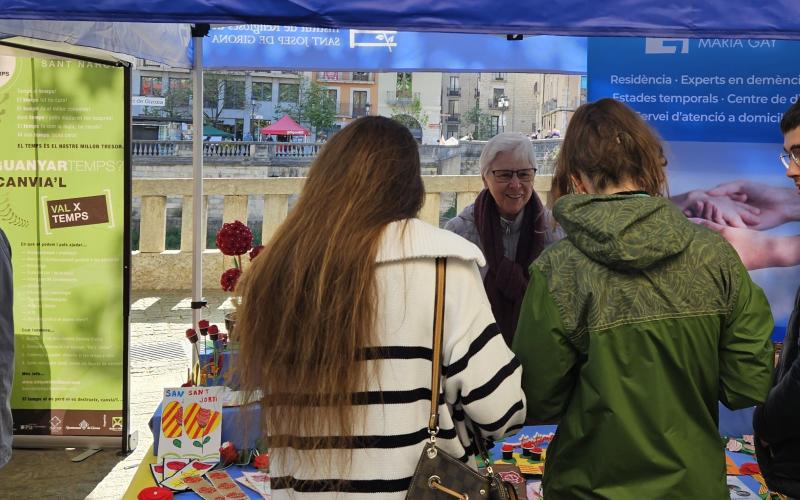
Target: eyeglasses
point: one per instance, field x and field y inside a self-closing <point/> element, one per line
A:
<point x="792" y="156"/>
<point x="505" y="176"/>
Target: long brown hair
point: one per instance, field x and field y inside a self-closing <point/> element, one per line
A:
<point x="610" y="143"/>
<point x="308" y="302"/>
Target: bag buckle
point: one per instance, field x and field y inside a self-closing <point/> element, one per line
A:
<point x="432" y="433"/>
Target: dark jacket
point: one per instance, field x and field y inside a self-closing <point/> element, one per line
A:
<point x="777" y="422"/>
<point x="6" y="348"/>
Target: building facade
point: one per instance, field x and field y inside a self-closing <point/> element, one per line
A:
<point x="354" y="92"/>
<point x="497" y="102"/>
<point x="415" y="100"/>
<point x="240" y="103"/>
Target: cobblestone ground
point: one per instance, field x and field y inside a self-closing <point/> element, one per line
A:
<point x="159" y="358"/>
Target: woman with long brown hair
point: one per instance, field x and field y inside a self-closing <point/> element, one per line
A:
<point x="635" y="325"/>
<point x="335" y="327"/>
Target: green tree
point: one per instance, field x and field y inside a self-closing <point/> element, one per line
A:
<point x="482" y="122"/>
<point x="409" y="108"/>
<point x="220" y="91"/>
<point x="176" y="103"/>
<point x="315" y="107"/>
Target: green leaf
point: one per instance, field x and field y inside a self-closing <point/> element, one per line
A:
<point x="177" y="443"/>
<point x="197" y="444"/>
<point x="207" y="439"/>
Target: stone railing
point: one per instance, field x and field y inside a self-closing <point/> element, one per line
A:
<point x="154" y="267"/>
<point x="293" y="154"/>
<point x="143" y="150"/>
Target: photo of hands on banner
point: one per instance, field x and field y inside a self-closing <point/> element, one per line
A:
<point x="741" y="211"/>
<point x="741" y="191"/>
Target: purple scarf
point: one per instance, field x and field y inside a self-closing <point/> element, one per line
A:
<point x="507" y="280"/>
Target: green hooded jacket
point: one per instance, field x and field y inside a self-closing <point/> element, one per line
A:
<point x="631" y="330"/>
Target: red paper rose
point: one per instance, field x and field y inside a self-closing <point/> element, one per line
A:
<point x="230" y="278"/>
<point x="234" y="238"/>
<point x="191" y="335"/>
<point x="261" y="461"/>
<point x="203" y="416"/>
<point x="228" y="452"/>
<point x="255" y="251"/>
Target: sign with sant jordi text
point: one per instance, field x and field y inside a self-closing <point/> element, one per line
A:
<point x="191" y="423"/>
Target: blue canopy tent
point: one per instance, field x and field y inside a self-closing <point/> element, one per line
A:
<point x="158" y="30"/>
<point x="710" y="18"/>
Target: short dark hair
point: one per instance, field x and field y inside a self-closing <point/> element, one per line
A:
<point x="791" y="119"/>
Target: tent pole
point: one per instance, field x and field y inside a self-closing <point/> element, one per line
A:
<point x="198" y="244"/>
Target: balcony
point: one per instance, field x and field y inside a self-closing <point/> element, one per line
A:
<point x="399" y="97"/>
<point x="453" y="92"/>
<point x="346" y="76"/>
<point x="453" y="118"/>
<point x="499" y="76"/>
<point x="359" y="112"/>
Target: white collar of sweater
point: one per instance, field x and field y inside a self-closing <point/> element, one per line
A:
<point x="414" y="239"/>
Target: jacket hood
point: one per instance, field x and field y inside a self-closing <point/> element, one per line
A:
<point x="414" y="239"/>
<point x="624" y="232"/>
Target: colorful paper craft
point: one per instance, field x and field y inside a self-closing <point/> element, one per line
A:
<point x="535" y="490"/>
<point x="172" y="466"/>
<point x="738" y="490"/>
<point x="731" y="468"/>
<point x="172" y="420"/>
<point x="157" y="470"/>
<point x="191" y="423"/>
<point x="258" y="482"/>
<point x="201" y="421"/>
<point x="203" y="489"/>
<point x="193" y="469"/>
<point x="225" y="484"/>
<point x="526" y="466"/>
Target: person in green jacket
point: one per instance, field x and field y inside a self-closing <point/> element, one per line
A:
<point x="635" y="325"/>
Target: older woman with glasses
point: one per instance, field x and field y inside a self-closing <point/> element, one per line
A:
<point x="508" y="222"/>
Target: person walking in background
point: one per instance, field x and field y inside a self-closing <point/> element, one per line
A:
<point x="508" y="223"/>
<point x="777" y="422"/>
<point x="6" y="348"/>
<point x="635" y="325"/>
<point x="335" y="328"/>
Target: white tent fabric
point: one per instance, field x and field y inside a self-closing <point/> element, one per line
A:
<point x="164" y="43"/>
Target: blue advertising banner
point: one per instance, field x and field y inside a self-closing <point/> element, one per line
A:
<point x="718" y="103"/>
<point x="727" y="90"/>
<point x="258" y="46"/>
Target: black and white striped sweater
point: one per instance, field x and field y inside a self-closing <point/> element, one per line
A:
<point x="482" y="377"/>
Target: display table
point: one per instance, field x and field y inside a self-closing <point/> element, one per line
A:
<point x="240" y="425"/>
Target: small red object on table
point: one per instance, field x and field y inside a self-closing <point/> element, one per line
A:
<point x="155" y="493"/>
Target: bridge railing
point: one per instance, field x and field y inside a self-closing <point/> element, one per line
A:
<point x="155" y="267"/>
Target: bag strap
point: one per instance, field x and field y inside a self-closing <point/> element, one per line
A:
<point x="436" y="359"/>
